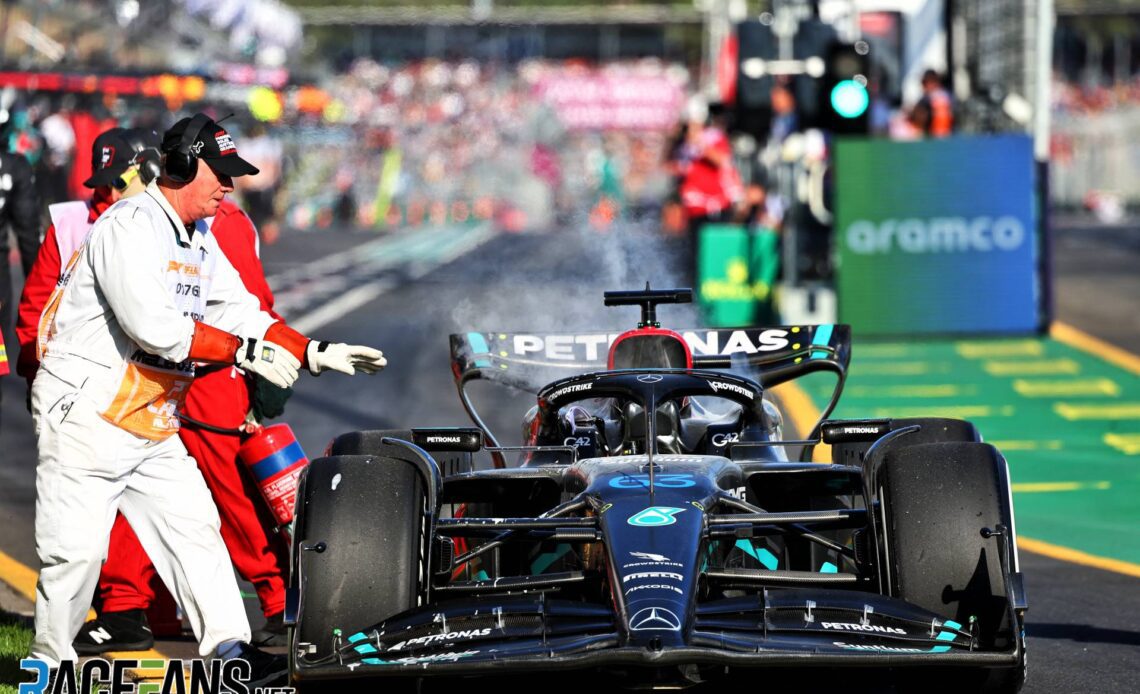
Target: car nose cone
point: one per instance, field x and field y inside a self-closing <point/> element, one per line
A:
<point x="654" y="619"/>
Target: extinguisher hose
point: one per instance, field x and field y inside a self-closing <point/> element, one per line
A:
<point x="198" y="424"/>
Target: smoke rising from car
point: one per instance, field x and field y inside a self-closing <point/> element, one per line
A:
<point x="567" y="297"/>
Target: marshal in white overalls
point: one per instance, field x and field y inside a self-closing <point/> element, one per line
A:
<point x="114" y="340"/>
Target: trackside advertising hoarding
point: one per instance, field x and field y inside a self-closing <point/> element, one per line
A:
<point x="736" y="269"/>
<point x="937" y="236"/>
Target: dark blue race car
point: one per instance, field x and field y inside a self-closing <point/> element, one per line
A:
<point x="655" y="530"/>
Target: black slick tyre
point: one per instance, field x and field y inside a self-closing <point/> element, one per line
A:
<point x="939" y="503"/>
<point x="359" y="546"/>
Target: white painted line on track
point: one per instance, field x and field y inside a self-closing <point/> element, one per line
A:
<point x="340" y="306"/>
<point x="355" y="298"/>
<point x="330" y="263"/>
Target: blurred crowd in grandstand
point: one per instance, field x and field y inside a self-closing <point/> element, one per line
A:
<point x="383" y="143"/>
<point x="421" y="142"/>
<point x="1070" y="97"/>
<point x="431" y="140"/>
<point x="1095" y="147"/>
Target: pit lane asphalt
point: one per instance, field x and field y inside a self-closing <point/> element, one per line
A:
<point x="1082" y="622"/>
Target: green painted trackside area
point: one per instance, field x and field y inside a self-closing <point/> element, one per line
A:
<point x="1068" y="423"/>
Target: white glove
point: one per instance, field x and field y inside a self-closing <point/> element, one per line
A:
<point x="348" y="359"/>
<point x="269" y="360"/>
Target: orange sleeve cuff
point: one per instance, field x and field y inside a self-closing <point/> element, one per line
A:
<point x="288" y="338"/>
<point x="213" y="345"/>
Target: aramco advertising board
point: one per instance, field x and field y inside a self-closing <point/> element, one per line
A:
<point x="937" y="236"/>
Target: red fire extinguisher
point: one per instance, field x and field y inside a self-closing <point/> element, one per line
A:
<point x="275" y="459"/>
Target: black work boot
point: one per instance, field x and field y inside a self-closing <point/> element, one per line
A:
<point x="115" y="631"/>
<point x="273" y="633"/>
<point x="265" y="669"/>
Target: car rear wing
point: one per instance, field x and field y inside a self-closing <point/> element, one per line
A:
<point x="529" y="361"/>
<point x="770" y="355"/>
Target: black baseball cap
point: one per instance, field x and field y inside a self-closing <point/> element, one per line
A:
<point x="111" y="155"/>
<point x="212" y="145"/>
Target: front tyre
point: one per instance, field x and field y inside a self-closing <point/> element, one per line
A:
<point x="940" y="502"/>
<point x="359" y="549"/>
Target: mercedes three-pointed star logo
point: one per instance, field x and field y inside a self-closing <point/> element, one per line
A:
<point x="650" y="378"/>
<point x="654" y="619"/>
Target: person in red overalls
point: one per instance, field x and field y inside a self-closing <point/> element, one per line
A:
<point x="710" y="189"/>
<point x="219" y="398"/>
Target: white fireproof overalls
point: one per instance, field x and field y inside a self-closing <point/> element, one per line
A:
<point x="114" y="340"/>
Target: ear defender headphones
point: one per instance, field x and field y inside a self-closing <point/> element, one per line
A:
<point x="148" y="160"/>
<point x="145" y="164"/>
<point x="181" y="163"/>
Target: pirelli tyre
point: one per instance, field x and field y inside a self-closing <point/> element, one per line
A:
<point x="358" y="550"/>
<point x="931" y="430"/>
<point x="941" y="504"/>
<point x="371" y="442"/>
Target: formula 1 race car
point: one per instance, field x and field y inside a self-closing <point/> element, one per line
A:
<point x="655" y="529"/>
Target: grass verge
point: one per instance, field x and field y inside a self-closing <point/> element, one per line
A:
<point x="15" y="638"/>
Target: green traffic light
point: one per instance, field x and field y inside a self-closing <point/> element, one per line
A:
<point x="849" y="99"/>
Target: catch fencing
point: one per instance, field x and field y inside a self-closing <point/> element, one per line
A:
<point x="1096" y="154"/>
